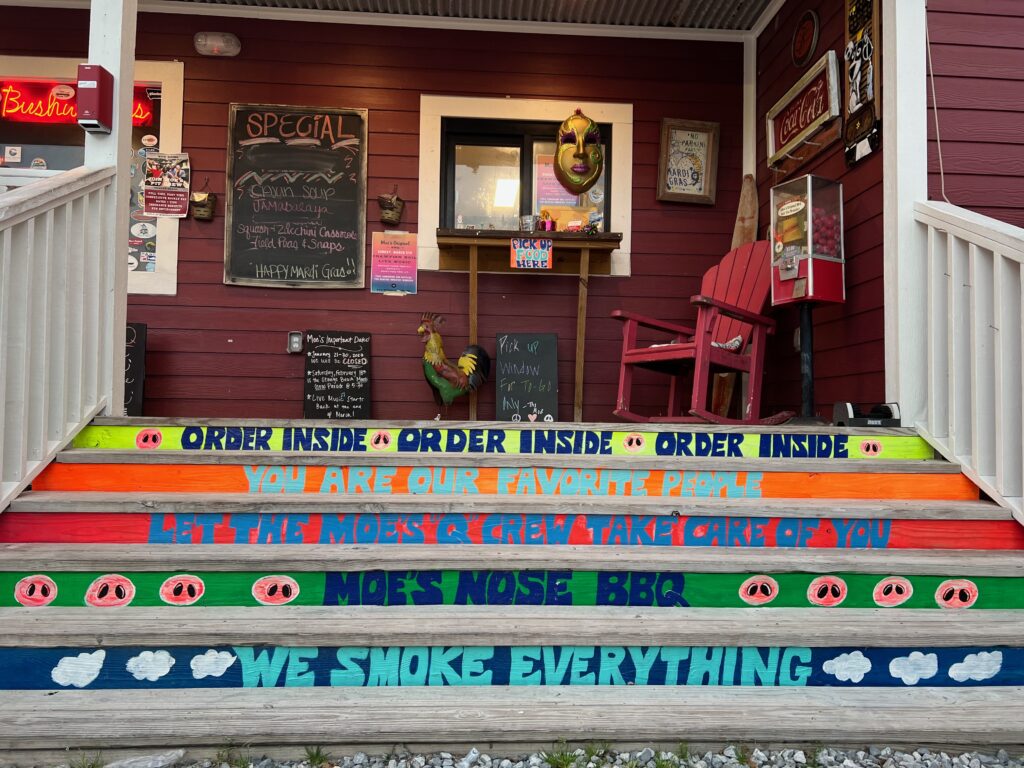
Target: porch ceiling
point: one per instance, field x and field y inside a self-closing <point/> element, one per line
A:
<point x="734" y="15"/>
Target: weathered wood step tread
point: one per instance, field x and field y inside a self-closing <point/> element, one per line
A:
<point x="364" y="503"/>
<point x="507" y="625"/>
<point x="421" y="557"/>
<point x="678" y="463"/>
<point x="536" y="715"/>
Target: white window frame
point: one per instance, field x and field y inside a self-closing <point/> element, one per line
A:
<point x="171" y="76"/>
<point x="434" y="108"/>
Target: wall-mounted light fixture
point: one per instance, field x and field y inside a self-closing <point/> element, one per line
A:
<point x="217" y="44"/>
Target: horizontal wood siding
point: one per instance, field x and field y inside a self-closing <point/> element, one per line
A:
<point x="849" y="356"/>
<point x="216" y="350"/>
<point x="978" y="64"/>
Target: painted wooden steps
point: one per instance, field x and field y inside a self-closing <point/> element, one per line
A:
<point x="569" y="580"/>
<point x="532" y="626"/>
<point x="425" y="575"/>
<point x="440" y="504"/>
<point x="446" y="717"/>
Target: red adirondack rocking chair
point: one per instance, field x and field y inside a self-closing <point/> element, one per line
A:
<point x="733" y="294"/>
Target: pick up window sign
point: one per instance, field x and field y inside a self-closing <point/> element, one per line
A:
<point x="532" y="252"/>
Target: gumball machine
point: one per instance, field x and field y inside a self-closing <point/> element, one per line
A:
<point x="807" y="259"/>
<point x="807" y="241"/>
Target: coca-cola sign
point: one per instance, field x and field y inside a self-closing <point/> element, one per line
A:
<point x="808" y="105"/>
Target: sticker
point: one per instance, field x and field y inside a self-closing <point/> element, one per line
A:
<point x="63" y="92"/>
<point x="12" y="154"/>
<point x="144" y="230"/>
<point x="791" y="208"/>
<point x="800" y="288"/>
<point x="138" y="215"/>
<point x="133" y="262"/>
<point x="38" y="162"/>
<point x="149" y="140"/>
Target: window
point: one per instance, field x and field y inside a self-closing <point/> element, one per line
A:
<point x="435" y="108"/>
<point x="153" y="262"/>
<point x="494" y="171"/>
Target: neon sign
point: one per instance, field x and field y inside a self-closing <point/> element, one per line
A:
<point x="55" y="103"/>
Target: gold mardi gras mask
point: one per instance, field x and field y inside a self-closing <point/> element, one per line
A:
<point x="578" y="157"/>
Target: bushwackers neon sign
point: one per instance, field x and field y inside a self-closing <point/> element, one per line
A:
<point x="56" y="104"/>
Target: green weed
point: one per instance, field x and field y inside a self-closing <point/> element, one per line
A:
<point x="562" y="757"/>
<point x="87" y="761"/>
<point x="595" y="749"/>
<point x="316" y="757"/>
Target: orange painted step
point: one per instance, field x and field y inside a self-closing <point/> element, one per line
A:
<point x="505" y="481"/>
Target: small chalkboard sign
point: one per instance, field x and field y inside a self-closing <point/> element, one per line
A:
<point x="337" y="375"/>
<point x="527" y="377"/>
<point x="296" y="197"/>
<point x="134" y="367"/>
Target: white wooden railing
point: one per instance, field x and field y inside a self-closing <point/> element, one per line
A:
<point x="56" y="308"/>
<point x="973" y="405"/>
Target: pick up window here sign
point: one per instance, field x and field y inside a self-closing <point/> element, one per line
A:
<point x="532" y="252"/>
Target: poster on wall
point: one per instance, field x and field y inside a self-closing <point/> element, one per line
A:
<point x="296" y="197"/>
<point x="393" y="263"/>
<point x="165" y="187"/>
<point x="863" y="130"/>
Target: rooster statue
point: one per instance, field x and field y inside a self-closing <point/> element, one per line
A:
<point x="450" y="380"/>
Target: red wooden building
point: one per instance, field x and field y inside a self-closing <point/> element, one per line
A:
<point x="933" y="207"/>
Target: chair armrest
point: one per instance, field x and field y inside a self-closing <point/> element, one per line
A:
<point x="650" y="322"/>
<point x="732" y="311"/>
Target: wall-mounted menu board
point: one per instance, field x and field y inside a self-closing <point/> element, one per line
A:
<point x="337" y="375"/>
<point x="296" y="197"/>
<point x="527" y="377"/>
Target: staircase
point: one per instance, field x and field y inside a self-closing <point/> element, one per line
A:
<point x="199" y="583"/>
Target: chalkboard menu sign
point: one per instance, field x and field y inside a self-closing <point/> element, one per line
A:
<point x="337" y="375"/>
<point x="527" y="379"/>
<point x="134" y="367"/>
<point x="296" y="202"/>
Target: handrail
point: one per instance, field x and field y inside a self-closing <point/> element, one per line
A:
<point x="56" y="308"/>
<point x="974" y="407"/>
<point x="42" y="195"/>
<point x="974" y="227"/>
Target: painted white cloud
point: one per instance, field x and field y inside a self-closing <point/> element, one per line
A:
<point x="915" y="667"/>
<point x="150" y="665"/>
<point x="79" y="670"/>
<point x="211" y="664"/>
<point x="977" y="666"/>
<point x="848" y="666"/>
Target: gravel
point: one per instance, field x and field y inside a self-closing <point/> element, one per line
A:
<point x="589" y="757"/>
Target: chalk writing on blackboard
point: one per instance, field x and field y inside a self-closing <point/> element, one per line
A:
<point x="134" y="367"/>
<point x="296" y="200"/>
<point x="337" y="377"/>
<point x="527" y="378"/>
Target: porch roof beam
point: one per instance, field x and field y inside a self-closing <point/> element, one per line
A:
<point x="418" y="22"/>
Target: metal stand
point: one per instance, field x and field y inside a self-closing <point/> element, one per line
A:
<point x="807" y="417"/>
<point x="806" y="361"/>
